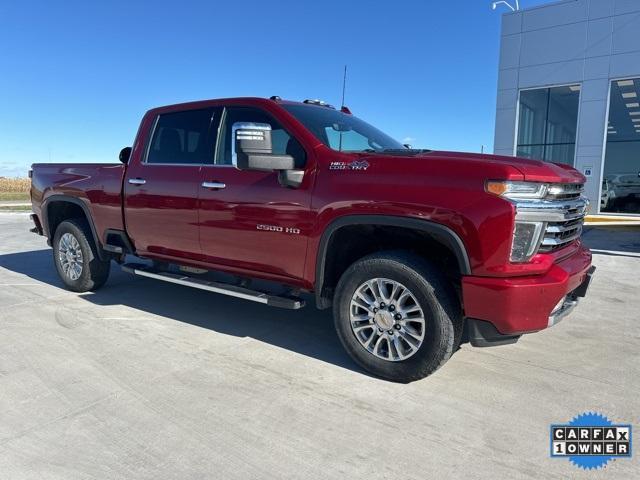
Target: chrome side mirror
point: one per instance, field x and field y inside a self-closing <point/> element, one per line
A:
<point x="252" y="149"/>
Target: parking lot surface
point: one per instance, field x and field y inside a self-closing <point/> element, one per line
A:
<point x="147" y="380"/>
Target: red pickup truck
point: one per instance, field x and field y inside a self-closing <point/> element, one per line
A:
<point x="269" y="200"/>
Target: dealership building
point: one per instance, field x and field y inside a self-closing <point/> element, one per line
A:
<point x="569" y="91"/>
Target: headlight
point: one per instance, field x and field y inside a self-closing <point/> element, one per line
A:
<point x="518" y="190"/>
<point x="526" y="240"/>
<point x="527" y="236"/>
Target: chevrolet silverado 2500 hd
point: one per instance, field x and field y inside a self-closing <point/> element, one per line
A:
<point x="416" y="251"/>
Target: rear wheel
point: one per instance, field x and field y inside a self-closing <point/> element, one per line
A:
<point x="397" y="316"/>
<point x="76" y="258"/>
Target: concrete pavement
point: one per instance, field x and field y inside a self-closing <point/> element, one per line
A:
<point x="146" y="380"/>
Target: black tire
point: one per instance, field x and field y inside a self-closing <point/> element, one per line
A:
<point x="94" y="272"/>
<point x="435" y="296"/>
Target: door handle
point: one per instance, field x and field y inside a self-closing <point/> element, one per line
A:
<point x="216" y="185"/>
<point x="137" y="181"/>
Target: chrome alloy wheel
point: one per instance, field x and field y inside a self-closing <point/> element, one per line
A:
<point x="70" y="256"/>
<point x="387" y="319"/>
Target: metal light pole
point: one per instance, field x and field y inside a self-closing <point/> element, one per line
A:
<point x="494" y="5"/>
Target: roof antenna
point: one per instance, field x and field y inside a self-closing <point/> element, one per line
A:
<point x="343" y="109"/>
<point x="344" y="85"/>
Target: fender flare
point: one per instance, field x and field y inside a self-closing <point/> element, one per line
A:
<point x="439" y="232"/>
<point x="87" y="214"/>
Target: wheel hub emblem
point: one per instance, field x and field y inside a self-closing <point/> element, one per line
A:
<point x="384" y="320"/>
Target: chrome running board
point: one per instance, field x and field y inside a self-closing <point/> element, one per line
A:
<point x="291" y="303"/>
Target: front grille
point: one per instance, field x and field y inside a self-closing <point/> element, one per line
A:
<point x="564" y="191"/>
<point x="559" y="234"/>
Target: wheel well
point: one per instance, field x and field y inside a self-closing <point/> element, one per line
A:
<point x="59" y="211"/>
<point x="353" y="242"/>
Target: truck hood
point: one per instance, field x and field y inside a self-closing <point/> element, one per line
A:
<point x="532" y="170"/>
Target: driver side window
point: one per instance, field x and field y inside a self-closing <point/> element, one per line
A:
<point x="282" y="143"/>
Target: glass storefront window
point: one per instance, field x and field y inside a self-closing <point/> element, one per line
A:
<point x="621" y="178"/>
<point x="548" y="122"/>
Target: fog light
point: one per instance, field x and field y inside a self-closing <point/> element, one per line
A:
<point x="526" y="240"/>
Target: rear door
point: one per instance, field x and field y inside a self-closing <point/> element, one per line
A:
<point x="161" y="190"/>
<point x="249" y="222"/>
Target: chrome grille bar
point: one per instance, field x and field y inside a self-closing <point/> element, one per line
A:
<point x="552" y="211"/>
<point x="564" y="227"/>
<point x="564" y="191"/>
<point x="555" y="240"/>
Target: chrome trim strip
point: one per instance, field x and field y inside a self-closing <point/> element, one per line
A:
<point x="564" y="227"/>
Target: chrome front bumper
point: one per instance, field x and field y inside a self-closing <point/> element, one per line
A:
<point x="564" y="308"/>
<point x="570" y="301"/>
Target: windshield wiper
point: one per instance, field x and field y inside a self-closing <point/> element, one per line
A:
<point x="396" y="151"/>
<point x="405" y="151"/>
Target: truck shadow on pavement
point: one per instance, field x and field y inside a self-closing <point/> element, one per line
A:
<point x="307" y="331"/>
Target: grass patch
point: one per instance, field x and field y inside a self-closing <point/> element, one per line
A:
<point x="10" y="196"/>
<point x="16" y="208"/>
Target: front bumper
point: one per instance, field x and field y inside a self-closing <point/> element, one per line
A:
<point x="517" y="305"/>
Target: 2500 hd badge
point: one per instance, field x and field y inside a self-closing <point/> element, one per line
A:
<point x="276" y="228"/>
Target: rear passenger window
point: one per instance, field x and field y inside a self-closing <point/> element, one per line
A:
<point x="183" y="138"/>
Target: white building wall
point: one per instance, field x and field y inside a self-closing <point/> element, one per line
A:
<point x="587" y="42"/>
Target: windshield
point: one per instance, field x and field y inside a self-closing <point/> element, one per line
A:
<point x="342" y="132"/>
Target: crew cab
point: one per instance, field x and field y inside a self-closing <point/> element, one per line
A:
<point x="274" y="201"/>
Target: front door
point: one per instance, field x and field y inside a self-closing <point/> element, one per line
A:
<point x="248" y="221"/>
<point x="161" y="189"/>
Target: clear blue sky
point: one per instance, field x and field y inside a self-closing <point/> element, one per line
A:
<point x="76" y="77"/>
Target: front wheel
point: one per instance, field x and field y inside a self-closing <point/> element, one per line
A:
<point x="397" y="316"/>
<point x="76" y="258"/>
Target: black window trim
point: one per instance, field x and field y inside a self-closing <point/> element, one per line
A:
<point x="174" y="164"/>
<point x="544" y="145"/>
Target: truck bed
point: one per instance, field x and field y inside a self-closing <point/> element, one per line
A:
<point x="97" y="185"/>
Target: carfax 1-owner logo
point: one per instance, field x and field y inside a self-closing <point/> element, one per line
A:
<point x="591" y="440"/>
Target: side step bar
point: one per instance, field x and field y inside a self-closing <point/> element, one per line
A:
<point x="216" y="287"/>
